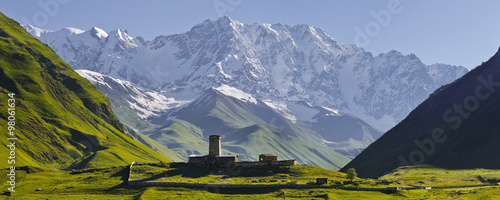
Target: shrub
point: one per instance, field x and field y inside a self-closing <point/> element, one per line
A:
<point x="351" y="174"/>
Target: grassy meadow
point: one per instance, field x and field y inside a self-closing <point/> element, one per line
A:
<point x="111" y="183"/>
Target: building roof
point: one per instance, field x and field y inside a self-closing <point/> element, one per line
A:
<point x="196" y="155"/>
<point x="227" y="156"/>
<point x="267" y="155"/>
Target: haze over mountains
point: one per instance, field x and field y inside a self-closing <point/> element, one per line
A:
<point x="76" y="133"/>
<point x="270" y="79"/>
<point x="248" y="126"/>
<point x="455" y="128"/>
<point x="271" y="62"/>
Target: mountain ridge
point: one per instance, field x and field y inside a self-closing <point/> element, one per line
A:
<point x="320" y="125"/>
<point x="454" y="128"/>
<point x="292" y="63"/>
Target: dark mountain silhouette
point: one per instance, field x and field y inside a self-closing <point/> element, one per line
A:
<point x="458" y="126"/>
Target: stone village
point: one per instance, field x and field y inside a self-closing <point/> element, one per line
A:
<point x="216" y="159"/>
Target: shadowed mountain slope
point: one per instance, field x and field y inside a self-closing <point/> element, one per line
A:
<point x="456" y="127"/>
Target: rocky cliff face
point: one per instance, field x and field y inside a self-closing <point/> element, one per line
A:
<point x="278" y="61"/>
<point x="455" y="127"/>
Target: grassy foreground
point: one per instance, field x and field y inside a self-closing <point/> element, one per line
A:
<point x="110" y="183"/>
<point x="298" y="174"/>
<point x="425" y="175"/>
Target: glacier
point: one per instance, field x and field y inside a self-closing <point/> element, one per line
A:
<point x="274" y="62"/>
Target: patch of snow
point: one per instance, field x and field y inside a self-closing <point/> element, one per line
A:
<point x="100" y="33"/>
<point x="94" y="77"/>
<point x="74" y="30"/>
<point x="333" y="111"/>
<point x="141" y="112"/>
<point x="236" y="93"/>
<point x="219" y="67"/>
<point x="35" y="30"/>
<point x="280" y="62"/>
<point x="281" y="108"/>
<point x="146" y="103"/>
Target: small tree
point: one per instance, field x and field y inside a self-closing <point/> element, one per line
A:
<point x="351" y="174"/>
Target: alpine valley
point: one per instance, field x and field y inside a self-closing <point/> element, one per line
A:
<point x="288" y="90"/>
<point x="102" y="115"/>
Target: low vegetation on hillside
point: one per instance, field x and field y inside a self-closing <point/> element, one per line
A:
<point x="111" y="183"/>
<point x="61" y="120"/>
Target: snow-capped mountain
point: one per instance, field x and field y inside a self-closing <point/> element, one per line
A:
<point x="144" y="103"/>
<point x="149" y="112"/>
<point x="272" y="62"/>
<point x="470" y="141"/>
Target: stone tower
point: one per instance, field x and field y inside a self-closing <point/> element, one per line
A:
<point x="214" y="148"/>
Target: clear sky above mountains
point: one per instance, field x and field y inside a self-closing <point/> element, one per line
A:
<point x="452" y="32"/>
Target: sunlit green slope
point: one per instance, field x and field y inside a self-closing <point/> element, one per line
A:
<point x="61" y="119"/>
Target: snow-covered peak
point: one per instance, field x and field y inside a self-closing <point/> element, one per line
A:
<point x="121" y="39"/>
<point x="99" y="33"/>
<point x="72" y="30"/>
<point x="236" y="93"/>
<point x="391" y="53"/>
<point x="221" y="27"/>
<point x="265" y="61"/>
<point x="224" y="19"/>
<point x="35" y="31"/>
<point x="120" y="34"/>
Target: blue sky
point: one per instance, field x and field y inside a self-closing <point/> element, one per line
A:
<point x="453" y="32"/>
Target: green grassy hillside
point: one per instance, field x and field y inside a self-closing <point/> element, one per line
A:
<point x="154" y="145"/>
<point x="216" y="113"/>
<point x="244" y="132"/>
<point x="428" y="175"/>
<point x="264" y="138"/>
<point x="185" y="129"/>
<point x="110" y="183"/>
<point x="61" y="119"/>
<point x="182" y="137"/>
